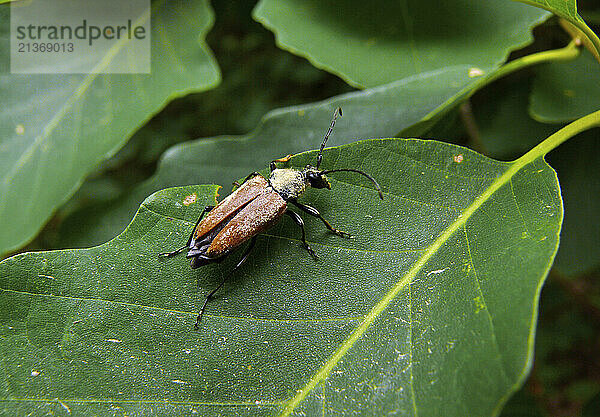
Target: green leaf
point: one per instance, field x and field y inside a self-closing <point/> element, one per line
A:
<point x="55" y="129"/>
<point x="409" y="106"/>
<point x="507" y="130"/>
<point x="564" y="91"/>
<point x="379" y="112"/>
<point x="567" y="9"/>
<point x="409" y="317"/>
<point x="369" y="44"/>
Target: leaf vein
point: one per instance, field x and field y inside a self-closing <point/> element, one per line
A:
<point x="378" y="308"/>
<point x="487" y="311"/>
<point x="512" y="190"/>
<point x="194" y="314"/>
<point x="410" y="339"/>
<point x="143" y="401"/>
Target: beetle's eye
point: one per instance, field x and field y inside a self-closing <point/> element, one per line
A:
<point x="317" y="180"/>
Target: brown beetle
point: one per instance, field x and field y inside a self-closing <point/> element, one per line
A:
<point x="253" y="207"/>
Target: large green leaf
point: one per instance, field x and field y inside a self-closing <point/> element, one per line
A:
<point x="506" y="130"/>
<point x="55" y="129"/>
<point x="430" y="310"/>
<point x="379" y="112"/>
<point x="410" y="106"/>
<point x="374" y="43"/>
<point x="564" y="91"/>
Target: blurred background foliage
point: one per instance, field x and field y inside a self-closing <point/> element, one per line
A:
<point x="258" y="77"/>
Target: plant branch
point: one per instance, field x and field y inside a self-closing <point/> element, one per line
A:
<point x="470" y="124"/>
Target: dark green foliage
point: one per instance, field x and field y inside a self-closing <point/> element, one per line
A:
<point x="431" y="310"/>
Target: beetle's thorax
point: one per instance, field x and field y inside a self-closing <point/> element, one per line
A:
<point x="288" y="183"/>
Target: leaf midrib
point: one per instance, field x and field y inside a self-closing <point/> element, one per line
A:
<point x="376" y="311"/>
<point x="61" y="113"/>
<point x="553" y="141"/>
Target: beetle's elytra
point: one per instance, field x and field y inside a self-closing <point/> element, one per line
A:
<point x="253" y="207"/>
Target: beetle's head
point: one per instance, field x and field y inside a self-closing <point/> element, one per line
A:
<point x="316" y="178"/>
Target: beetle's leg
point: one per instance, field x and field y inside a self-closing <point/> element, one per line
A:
<point x="273" y="164"/>
<point x="174" y="253"/>
<point x="181" y="249"/>
<point x="210" y="294"/>
<point x="298" y="220"/>
<point x="314" y="212"/>
<point x="206" y="210"/>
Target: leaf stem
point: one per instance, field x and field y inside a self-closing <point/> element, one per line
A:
<point x="575" y="20"/>
<point x="592" y="37"/>
<point x="570" y="130"/>
<point x="569" y="52"/>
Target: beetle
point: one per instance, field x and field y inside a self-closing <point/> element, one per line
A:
<point x="255" y="205"/>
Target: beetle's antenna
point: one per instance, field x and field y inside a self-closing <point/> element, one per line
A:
<point x="359" y="172"/>
<point x="337" y="112"/>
